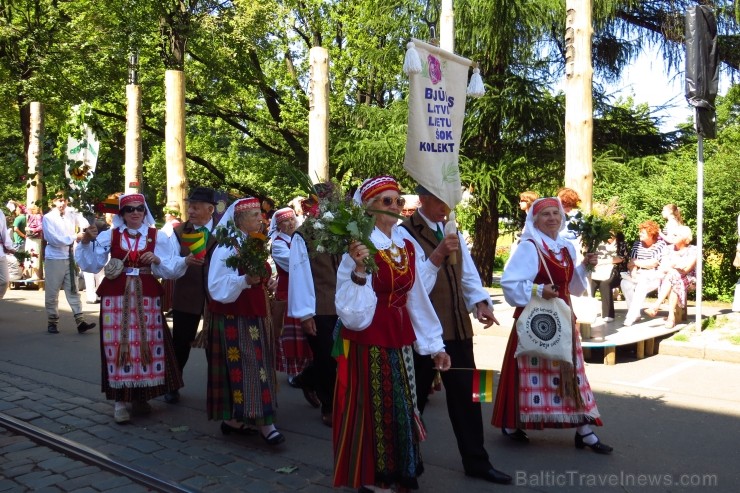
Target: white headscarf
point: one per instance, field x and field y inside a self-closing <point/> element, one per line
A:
<point x="279" y="214"/>
<point x="246" y="202"/>
<point x="118" y="218"/>
<point x="540" y="239"/>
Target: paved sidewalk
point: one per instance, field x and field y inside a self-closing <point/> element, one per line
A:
<point x="53" y="382"/>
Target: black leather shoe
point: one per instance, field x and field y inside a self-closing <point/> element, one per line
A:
<point x="491" y="474"/>
<point x="52" y="329"/>
<point x="598" y="447"/>
<point x="517" y="436"/>
<point x="172" y="397"/>
<point x="83" y="327"/>
<point x="242" y="430"/>
<point x="311" y="397"/>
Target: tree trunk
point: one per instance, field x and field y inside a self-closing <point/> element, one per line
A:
<point x="318" y="116"/>
<point x="578" y="101"/>
<point x="485" y="239"/>
<point x="34" y="152"/>
<point x="177" y="182"/>
<point x="133" y="139"/>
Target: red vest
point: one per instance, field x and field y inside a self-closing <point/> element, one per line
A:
<point x="391" y="326"/>
<point x="116" y="287"/>
<point x="251" y="302"/>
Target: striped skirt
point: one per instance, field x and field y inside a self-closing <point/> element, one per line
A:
<point x="375" y="437"/>
<point x="241" y="370"/>
<point x="294" y="352"/>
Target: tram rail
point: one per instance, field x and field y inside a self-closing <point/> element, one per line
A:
<point x="89" y="456"/>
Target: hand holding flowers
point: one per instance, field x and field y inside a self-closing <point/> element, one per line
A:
<point x="251" y="250"/>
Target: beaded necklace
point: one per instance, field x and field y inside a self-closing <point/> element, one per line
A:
<point x="396" y="258"/>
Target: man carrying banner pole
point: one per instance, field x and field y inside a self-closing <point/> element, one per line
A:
<point x="436" y="110"/>
<point x="455" y="291"/>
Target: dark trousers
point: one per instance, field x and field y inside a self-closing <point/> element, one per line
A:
<point x="322" y="372"/>
<point x="184" y="328"/>
<point x="607" y="294"/>
<point x="465" y="415"/>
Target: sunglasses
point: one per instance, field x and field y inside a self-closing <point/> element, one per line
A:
<point x="128" y="209"/>
<point x="388" y="201"/>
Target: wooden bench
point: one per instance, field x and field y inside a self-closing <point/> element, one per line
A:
<point x="613" y="334"/>
<point x="27" y="283"/>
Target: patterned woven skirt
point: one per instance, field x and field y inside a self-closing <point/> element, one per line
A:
<point x="241" y="370"/>
<point x="529" y="397"/>
<point x="294" y="352"/>
<point x="375" y="437"/>
<point x="134" y="381"/>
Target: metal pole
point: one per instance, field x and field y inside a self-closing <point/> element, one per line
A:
<point x="699" y="227"/>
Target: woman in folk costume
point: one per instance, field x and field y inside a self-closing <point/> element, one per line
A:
<point x="138" y="358"/>
<point x="536" y="393"/>
<point x="294" y="353"/>
<point x="242" y="386"/>
<point x="377" y="427"/>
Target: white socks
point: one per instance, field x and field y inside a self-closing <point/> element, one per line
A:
<point x="585" y="430"/>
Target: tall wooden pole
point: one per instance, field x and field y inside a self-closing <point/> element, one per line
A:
<point x="35" y="150"/>
<point x="177" y="182"/>
<point x="134" y="158"/>
<point x="578" y="102"/>
<point x="318" y="116"/>
<point x="447" y="27"/>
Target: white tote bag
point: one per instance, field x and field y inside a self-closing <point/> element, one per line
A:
<point x="545" y="328"/>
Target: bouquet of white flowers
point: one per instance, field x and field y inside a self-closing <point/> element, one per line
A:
<point x="335" y="222"/>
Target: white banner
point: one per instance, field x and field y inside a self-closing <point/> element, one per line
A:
<point x="436" y="112"/>
<point x="85" y="152"/>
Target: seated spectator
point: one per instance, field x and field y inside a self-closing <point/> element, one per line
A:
<point x="643" y="276"/>
<point x="679" y="275"/>
<point x="605" y="276"/>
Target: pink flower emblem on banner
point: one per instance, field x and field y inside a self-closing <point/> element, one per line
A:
<point x="435" y="69"/>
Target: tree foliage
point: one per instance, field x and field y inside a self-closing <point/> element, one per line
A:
<point x="248" y="94"/>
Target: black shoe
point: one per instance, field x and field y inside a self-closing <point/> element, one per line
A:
<point x="491" y="474"/>
<point x="598" y="447"/>
<point x="311" y="397"/>
<point x="517" y="436"/>
<point x="83" y="327"/>
<point x="52" y="329"/>
<point x="242" y="430"/>
<point x="141" y="408"/>
<point x="327" y="419"/>
<point x="295" y="382"/>
<point x="172" y="397"/>
<point x="273" y="438"/>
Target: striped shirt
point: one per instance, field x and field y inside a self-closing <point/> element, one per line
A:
<point x="653" y="252"/>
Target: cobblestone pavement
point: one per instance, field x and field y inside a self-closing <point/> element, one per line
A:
<point x="192" y="459"/>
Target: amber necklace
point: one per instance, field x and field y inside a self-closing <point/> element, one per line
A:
<point x="396" y="258"/>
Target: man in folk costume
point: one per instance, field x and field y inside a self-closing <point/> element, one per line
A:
<point x="311" y="288"/>
<point x="138" y="359"/>
<point x="62" y="226"/>
<point x="455" y="291"/>
<point x="190" y="293"/>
